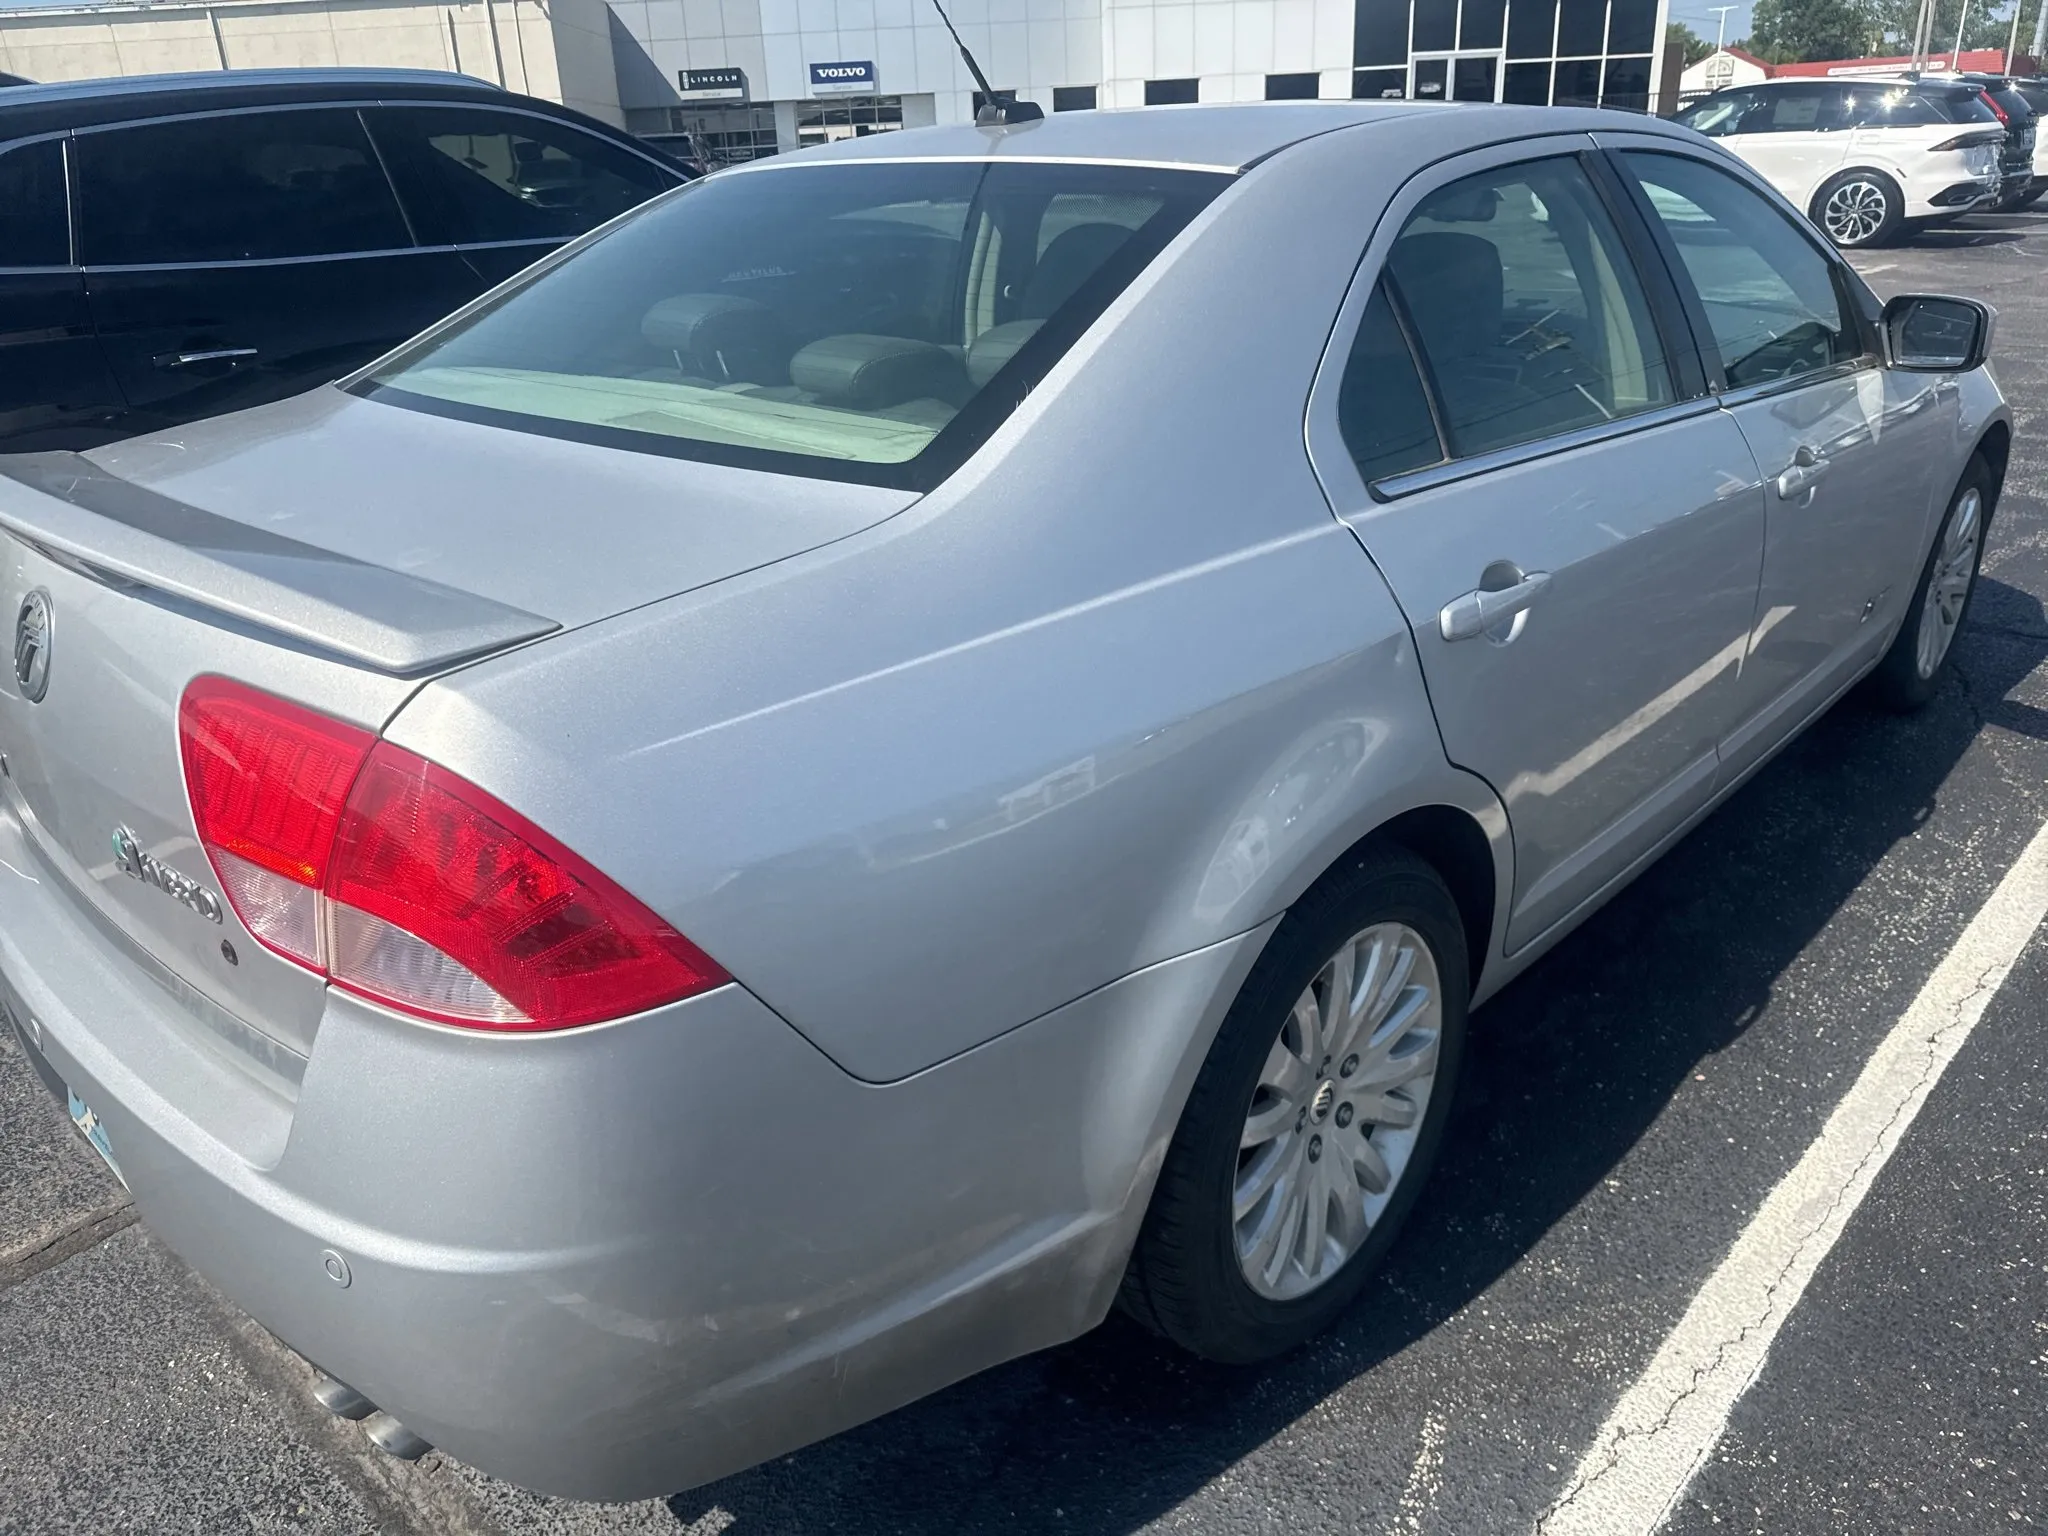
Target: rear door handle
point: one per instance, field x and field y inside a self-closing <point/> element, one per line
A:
<point x="1805" y="471"/>
<point x="213" y="355"/>
<point x="1478" y="611"/>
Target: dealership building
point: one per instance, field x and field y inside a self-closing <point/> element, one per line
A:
<point x="755" y="77"/>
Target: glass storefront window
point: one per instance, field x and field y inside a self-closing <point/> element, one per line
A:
<point x="1533" y="52"/>
<point x="846" y="117"/>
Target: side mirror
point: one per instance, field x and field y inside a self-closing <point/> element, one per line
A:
<point x="1933" y="333"/>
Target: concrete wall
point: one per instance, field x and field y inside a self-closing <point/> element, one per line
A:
<point x="557" y="49"/>
<point x="1232" y="45"/>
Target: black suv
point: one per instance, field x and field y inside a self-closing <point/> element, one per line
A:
<point x="174" y="246"/>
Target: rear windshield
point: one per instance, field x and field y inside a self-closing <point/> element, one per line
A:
<point x="858" y="321"/>
<point x="1962" y="106"/>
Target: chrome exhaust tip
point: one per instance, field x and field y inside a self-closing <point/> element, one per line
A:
<point x="393" y="1438"/>
<point x="340" y="1399"/>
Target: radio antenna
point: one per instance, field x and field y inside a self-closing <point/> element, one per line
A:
<point x="996" y="111"/>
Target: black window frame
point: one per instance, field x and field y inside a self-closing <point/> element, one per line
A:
<point x="1073" y="98"/>
<point x="1674" y="273"/>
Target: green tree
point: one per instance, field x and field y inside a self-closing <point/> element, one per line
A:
<point x="1988" y="24"/>
<point x="1803" y="31"/>
<point x="1678" y="35"/>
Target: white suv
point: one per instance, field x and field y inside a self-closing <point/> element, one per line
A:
<point x="1866" y="159"/>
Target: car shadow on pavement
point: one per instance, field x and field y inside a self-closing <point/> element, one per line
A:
<point x="1106" y="1433"/>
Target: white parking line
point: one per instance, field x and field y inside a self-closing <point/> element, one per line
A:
<point x="1669" y="1421"/>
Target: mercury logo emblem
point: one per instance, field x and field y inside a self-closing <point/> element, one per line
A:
<point x="32" y="628"/>
<point x="1319" y="1106"/>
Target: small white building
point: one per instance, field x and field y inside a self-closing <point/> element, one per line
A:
<point x="1720" y="69"/>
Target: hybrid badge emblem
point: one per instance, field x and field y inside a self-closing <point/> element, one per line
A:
<point x="138" y="863"/>
<point x="32" y="646"/>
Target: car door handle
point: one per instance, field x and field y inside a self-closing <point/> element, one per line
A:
<point x="1805" y="471"/>
<point x="213" y="355"/>
<point x="1478" y="611"/>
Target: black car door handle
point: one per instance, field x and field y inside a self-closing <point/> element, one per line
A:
<point x="212" y="355"/>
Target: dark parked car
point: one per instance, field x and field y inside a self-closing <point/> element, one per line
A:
<point x="174" y="246"/>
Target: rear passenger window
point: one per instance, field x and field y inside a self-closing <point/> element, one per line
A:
<point x="1381" y="408"/>
<point x="249" y="186"/>
<point x="35" y="230"/>
<point x="1770" y="297"/>
<point x="1530" y="318"/>
<point x="474" y="177"/>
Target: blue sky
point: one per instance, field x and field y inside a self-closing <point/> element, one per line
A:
<point x="1695" y="14"/>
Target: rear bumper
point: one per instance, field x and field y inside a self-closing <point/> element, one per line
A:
<point x="627" y="1259"/>
<point x="1964" y="195"/>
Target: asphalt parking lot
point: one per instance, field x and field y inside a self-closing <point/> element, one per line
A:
<point x="1629" y="1106"/>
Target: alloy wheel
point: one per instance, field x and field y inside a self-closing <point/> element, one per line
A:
<point x="1854" y="212"/>
<point x="1948" y="585"/>
<point x="1337" y="1111"/>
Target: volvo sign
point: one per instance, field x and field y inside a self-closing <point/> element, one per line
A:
<point x="846" y="75"/>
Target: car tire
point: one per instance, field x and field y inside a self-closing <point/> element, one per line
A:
<point x="1910" y="673"/>
<point x="1190" y="1277"/>
<point x="1859" y="209"/>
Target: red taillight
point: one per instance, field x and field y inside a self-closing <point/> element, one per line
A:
<point x="403" y="882"/>
<point x="1992" y="102"/>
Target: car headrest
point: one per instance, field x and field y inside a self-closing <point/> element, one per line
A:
<point x="1074" y="256"/>
<point x="1454" y="288"/>
<point x="996" y="346"/>
<point x="721" y="337"/>
<point x="872" y="373"/>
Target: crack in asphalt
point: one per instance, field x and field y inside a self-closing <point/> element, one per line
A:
<point x="1930" y="1070"/>
<point x="78" y="1236"/>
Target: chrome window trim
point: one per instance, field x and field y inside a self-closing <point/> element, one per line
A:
<point x="360" y="105"/>
<point x="1394" y="487"/>
<point x="1785" y="386"/>
<point x="794" y="162"/>
<point x="1348" y="492"/>
<point x="269" y="261"/>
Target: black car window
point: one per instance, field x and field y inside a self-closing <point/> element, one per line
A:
<point x="472" y="176"/>
<point x="247" y="186"/>
<point x="1963" y="104"/>
<point x="1892" y="106"/>
<point x="1798" y="109"/>
<point x="1526" y="308"/>
<point x="1769" y="295"/>
<point x="1381" y="408"/>
<point x="35" y="230"/>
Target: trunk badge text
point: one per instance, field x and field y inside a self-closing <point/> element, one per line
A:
<point x="32" y="646"/>
<point x="135" y="862"/>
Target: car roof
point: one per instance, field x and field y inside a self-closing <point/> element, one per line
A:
<point x="1220" y="137"/>
<point x="42" y="108"/>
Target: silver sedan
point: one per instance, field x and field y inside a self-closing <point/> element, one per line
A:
<point x="912" y="743"/>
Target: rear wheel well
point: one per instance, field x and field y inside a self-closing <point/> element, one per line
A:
<point x="1452" y="843"/>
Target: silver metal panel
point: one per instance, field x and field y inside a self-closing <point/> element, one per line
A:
<point x="66" y="504"/>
